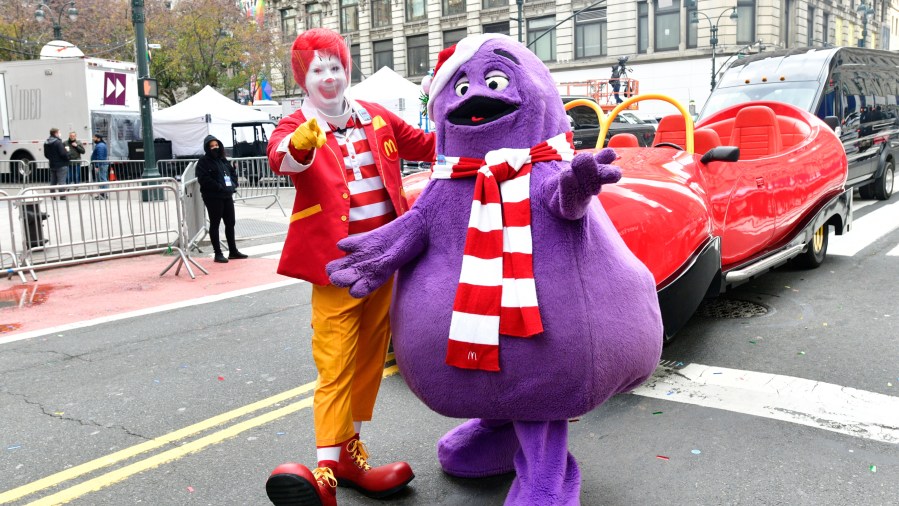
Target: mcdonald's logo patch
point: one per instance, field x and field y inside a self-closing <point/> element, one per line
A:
<point x="378" y="122"/>
<point x="388" y="146"/>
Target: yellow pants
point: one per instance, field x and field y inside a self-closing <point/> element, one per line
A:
<point x="350" y="338"/>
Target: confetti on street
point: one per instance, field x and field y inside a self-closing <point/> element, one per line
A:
<point x="801" y="353"/>
<point x="221" y="378"/>
<point x="873" y="469"/>
<point x="190" y="489"/>
<point x="657" y="413"/>
<point x="695" y="452"/>
<point x="13" y="447"/>
<point x="662" y="457"/>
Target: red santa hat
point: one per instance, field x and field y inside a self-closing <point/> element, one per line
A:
<point x="448" y="62"/>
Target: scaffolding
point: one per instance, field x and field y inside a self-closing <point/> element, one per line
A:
<point x="602" y="92"/>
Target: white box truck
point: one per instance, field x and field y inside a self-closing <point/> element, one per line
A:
<point x="82" y="95"/>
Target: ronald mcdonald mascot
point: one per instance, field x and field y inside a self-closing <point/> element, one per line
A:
<point x="344" y="159"/>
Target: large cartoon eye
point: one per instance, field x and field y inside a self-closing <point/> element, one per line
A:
<point x="497" y="81"/>
<point x="462" y="87"/>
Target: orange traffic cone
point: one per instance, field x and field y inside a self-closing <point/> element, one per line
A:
<point x="111" y="174"/>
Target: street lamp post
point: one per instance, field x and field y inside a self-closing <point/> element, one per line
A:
<point x="520" y="4"/>
<point x="866" y="12"/>
<point x="72" y="12"/>
<point x="143" y="73"/>
<point x="713" y="28"/>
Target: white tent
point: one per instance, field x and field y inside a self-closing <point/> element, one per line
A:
<point x="188" y="122"/>
<point x="387" y="88"/>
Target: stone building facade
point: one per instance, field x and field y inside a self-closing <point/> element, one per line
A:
<point x="582" y="39"/>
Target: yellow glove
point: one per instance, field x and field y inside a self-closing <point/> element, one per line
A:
<point x="308" y="136"/>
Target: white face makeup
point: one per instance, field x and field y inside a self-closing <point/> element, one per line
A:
<point x="326" y="83"/>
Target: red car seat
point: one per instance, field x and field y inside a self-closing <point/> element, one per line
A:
<point x="671" y="129"/>
<point x="624" y="140"/>
<point x="756" y="132"/>
<point x="705" y="139"/>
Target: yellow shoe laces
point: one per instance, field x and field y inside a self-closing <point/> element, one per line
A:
<point x="359" y="453"/>
<point x="324" y="475"/>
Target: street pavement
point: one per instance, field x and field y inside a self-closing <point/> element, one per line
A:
<point x="120" y="386"/>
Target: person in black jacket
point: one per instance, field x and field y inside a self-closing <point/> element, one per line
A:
<point x="56" y="154"/>
<point x="218" y="182"/>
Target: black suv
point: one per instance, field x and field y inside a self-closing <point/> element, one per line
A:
<point x="585" y="125"/>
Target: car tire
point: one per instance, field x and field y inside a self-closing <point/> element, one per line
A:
<point x="816" y="251"/>
<point x="883" y="186"/>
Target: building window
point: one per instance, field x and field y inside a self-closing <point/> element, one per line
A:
<point x="745" y="21"/>
<point x="667" y="25"/>
<point x="811" y="26"/>
<point x="451" y="37"/>
<point x="349" y="15"/>
<point x="489" y="4"/>
<point x="382" y="53"/>
<point x="545" y="47"/>
<point x="416" y="10"/>
<point x="502" y="28"/>
<point x="590" y="33"/>
<point x="288" y="24"/>
<point x="380" y="13"/>
<point x="313" y="16"/>
<point x="417" y="55"/>
<point x="692" y="28"/>
<point x="642" y="27"/>
<point x="825" y="28"/>
<point x="451" y="7"/>
<point x="356" y="62"/>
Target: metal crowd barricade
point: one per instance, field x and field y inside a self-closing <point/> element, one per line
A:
<point x="174" y="168"/>
<point x="8" y="257"/>
<point x="14" y="172"/>
<point x="37" y="173"/>
<point x="55" y="226"/>
<point x="257" y="181"/>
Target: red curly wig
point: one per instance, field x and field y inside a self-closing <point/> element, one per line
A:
<point x="327" y="42"/>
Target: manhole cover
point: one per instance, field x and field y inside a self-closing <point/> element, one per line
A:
<point x="730" y="308"/>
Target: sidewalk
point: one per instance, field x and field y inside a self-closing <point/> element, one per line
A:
<point x="111" y="287"/>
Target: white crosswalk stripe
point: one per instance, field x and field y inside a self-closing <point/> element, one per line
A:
<point x="836" y="408"/>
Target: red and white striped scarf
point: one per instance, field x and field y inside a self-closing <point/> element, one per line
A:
<point x="497" y="293"/>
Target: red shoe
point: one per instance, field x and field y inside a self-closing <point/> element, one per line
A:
<point x="292" y="484"/>
<point x="376" y="482"/>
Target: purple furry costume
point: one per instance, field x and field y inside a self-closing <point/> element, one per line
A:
<point x="602" y="329"/>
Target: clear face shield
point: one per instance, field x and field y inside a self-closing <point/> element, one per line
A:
<point x="326" y="79"/>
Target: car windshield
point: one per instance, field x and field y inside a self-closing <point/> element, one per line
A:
<point x="799" y="93"/>
<point x="584" y="117"/>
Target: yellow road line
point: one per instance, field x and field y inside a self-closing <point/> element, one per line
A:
<point x="167" y="456"/>
<point x="127" y="453"/>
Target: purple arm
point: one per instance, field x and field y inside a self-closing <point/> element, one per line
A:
<point x="568" y="194"/>
<point x="373" y="257"/>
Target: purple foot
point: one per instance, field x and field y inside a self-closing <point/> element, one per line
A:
<point x="478" y="448"/>
<point x="546" y="473"/>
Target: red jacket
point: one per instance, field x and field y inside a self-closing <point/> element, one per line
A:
<point x="321" y="208"/>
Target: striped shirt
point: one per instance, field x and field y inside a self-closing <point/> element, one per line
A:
<point x="370" y="204"/>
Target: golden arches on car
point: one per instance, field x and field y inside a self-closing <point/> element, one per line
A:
<point x="605" y="121"/>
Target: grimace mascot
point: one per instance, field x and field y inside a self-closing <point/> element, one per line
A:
<point x="517" y="303"/>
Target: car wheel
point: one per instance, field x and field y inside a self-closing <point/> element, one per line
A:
<point x="883" y="186"/>
<point x="816" y="250"/>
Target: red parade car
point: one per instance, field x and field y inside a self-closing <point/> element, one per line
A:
<point x="764" y="186"/>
